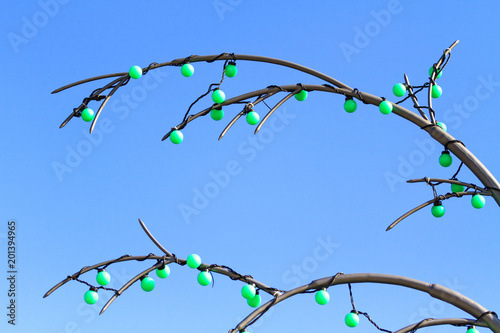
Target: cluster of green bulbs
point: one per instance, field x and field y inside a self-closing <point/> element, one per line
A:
<point x="103" y="278"/>
<point x="322" y="297"/>
<point x="478" y="201"/>
<point x="204" y="277"/>
<point x="399" y="89"/>
<point x="251" y="295"/>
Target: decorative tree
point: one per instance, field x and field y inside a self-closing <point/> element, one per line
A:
<point x="425" y="119"/>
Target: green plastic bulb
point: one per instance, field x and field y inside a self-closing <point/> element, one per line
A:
<point x="352" y="319"/>
<point x="350" y="105"/>
<point x="176" y="137"/>
<point x="254" y="301"/>
<point x="443" y="126"/>
<point x="103" y="278"/>
<point x="248" y="291"/>
<point x="472" y="330"/>
<point x="455" y="188"/>
<point x="163" y="273"/>
<point x="253" y="118"/>
<point x="91" y="297"/>
<point x="437" y="91"/>
<point x="440" y="72"/>
<point x="194" y="261"/>
<point x="147" y="284"/>
<point x="437" y="210"/>
<point x="445" y="159"/>
<point x="217" y="114"/>
<point x="231" y="70"/>
<point x="399" y="90"/>
<point x="322" y="297"/>
<point x="478" y="201"/>
<point x="385" y="107"/>
<point x="218" y="96"/>
<point x="88" y="114"/>
<point x="135" y="72"/>
<point x="301" y="95"/>
<point x="204" y="278"/>
<point x="187" y="70"/>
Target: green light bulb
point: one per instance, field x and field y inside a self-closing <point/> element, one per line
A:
<point x="91" y="297"/>
<point x="147" y="284"/>
<point x="352" y="319"/>
<point x="176" y="137"/>
<point x="248" y="291"/>
<point x="385" y="107"/>
<point x="163" y="273"/>
<point x="445" y="159"/>
<point x="103" y="278"/>
<point x="443" y="126"/>
<point x="455" y="188"/>
<point x="301" y="95"/>
<point x="135" y="72"/>
<point x="217" y="114"/>
<point x="253" y="117"/>
<point x="399" y="90"/>
<point x="187" y="70"/>
<point x="204" y="278"/>
<point x="436" y="91"/>
<point x="88" y="114"/>
<point x="350" y="105"/>
<point x="254" y="301"/>
<point x="478" y="201"/>
<point x="322" y="297"/>
<point x="472" y="330"/>
<point x="194" y="261"/>
<point x="230" y="70"/>
<point x="437" y="209"/>
<point x="440" y="72"/>
<point x="218" y="96"/>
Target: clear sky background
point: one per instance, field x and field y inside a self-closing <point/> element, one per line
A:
<point x="312" y="197"/>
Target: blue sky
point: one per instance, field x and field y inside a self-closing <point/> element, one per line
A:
<point x="322" y="181"/>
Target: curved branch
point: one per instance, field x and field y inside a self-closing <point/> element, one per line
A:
<point x="438" y="322"/>
<point x="450" y="181"/>
<point x="287" y="97"/>
<point x="150" y="235"/>
<point x="434" y="290"/>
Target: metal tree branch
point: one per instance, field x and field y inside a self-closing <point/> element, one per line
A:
<point x="483" y="317"/>
<point x="333" y="86"/>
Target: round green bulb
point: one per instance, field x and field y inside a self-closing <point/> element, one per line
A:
<point x="350" y="105"/>
<point x="176" y="137"/>
<point x="218" y="96"/>
<point x="352" y="319"/>
<point x="385" y="107"/>
<point x="194" y="261"/>
<point x="399" y="90"/>
<point x="163" y="273"/>
<point x="135" y="72"/>
<point x="472" y="330"/>
<point x="445" y="159"/>
<point x="217" y="114"/>
<point x="91" y="297"/>
<point x="478" y="201"/>
<point x="187" y="70"/>
<point x="443" y="126"/>
<point x="254" y="301"/>
<point x="437" y="91"/>
<point x="88" y="114"/>
<point x="455" y="188"/>
<point x="103" y="278"/>
<point x="248" y="291"/>
<point x="437" y="210"/>
<point x="301" y="95"/>
<point x="204" y="278"/>
<point x="253" y="118"/>
<point x="231" y="70"/>
<point x="440" y="72"/>
<point x="147" y="284"/>
<point x="322" y="297"/>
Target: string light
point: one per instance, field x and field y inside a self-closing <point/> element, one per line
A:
<point x="230" y="70"/>
<point x="301" y="95"/>
<point x="399" y="90"/>
<point x="163" y="272"/>
<point x="176" y="137"/>
<point x="218" y="96"/>
<point x="88" y="114"/>
<point x="457" y="188"/>
<point x="135" y="72"/>
<point x="352" y="319"/>
<point x="442" y="125"/>
<point x="248" y="291"/>
<point x="91" y="296"/>
<point x="437" y="209"/>
<point x="193" y="261"/>
<point x="322" y="297"/>
<point x="187" y="70"/>
<point x="445" y="160"/>
<point x="204" y="278"/>
<point x="147" y="283"/>
<point x="385" y="107"/>
<point x="431" y="70"/>
<point x="478" y="201"/>
<point x="350" y="105"/>
<point x="103" y="277"/>
<point x="254" y="301"/>
<point x="252" y="117"/>
<point x="436" y="91"/>
<point x="217" y="114"/>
